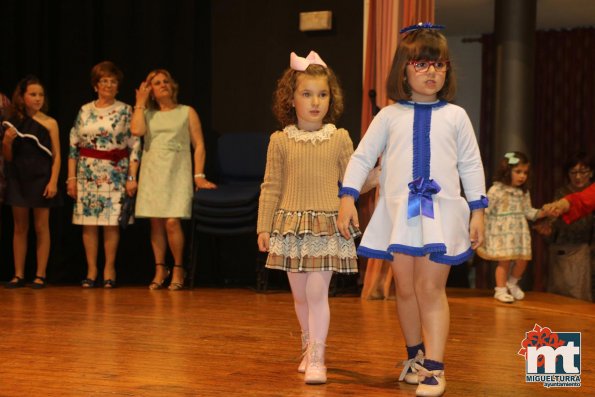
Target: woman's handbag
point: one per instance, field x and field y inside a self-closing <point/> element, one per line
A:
<point x="127" y="211"/>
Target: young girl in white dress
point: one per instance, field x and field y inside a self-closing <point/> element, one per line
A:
<point x="421" y="222"/>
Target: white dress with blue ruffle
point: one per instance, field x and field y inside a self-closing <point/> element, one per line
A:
<point x="427" y="150"/>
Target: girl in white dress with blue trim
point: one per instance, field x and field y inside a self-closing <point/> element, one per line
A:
<point x="421" y="222"/>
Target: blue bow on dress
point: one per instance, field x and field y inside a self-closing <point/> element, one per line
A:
<point x="420" y="197"/>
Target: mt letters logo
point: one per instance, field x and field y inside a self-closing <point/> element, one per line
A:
<point x="552" y="358"/>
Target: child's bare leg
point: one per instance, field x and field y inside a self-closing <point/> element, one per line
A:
<point x="502" y="273"/>
<point x="430" y="290"/>
<point x="519" y="269"/>
<point x="516" y="274"/>
<point x="407" y="306"/>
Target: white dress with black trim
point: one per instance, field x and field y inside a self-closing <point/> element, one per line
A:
<point x="427" y="149"/>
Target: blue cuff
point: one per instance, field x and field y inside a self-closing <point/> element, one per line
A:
<point x="478" y="204"/>
<point x="348" y="191"/>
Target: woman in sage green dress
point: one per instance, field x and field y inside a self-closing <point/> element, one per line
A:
<point x="173" y="145"/>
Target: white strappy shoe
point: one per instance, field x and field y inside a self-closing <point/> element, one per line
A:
<point x="411" y="377"/>
<point x="425" y="390"/>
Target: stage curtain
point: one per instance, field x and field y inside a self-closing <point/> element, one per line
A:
<point x="564" y="117"/>
<point x="385" y="19"/>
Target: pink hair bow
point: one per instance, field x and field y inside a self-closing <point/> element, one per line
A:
<point x="300" y="64"/>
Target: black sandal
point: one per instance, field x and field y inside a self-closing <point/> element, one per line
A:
<point x="176" y="286"/>
<point x="89" y="283"/>
<point x="159" y="285"/>
<point x="41" y="285"/>
<point x="18" y="283"/>
<point x="109" y="283"/>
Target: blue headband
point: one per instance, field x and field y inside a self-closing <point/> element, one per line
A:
<point x="422" y="25"/>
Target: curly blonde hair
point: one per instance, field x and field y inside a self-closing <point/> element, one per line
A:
<point x="287" y="84"/>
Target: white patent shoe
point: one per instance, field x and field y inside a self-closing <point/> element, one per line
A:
<point x="503" y="296"/>
<point x="516" y="291"/>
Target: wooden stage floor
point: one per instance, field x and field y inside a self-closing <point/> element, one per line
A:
<point x="66" y="341"/>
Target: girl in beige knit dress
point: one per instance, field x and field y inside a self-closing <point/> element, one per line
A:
<point x="298" y="205"/>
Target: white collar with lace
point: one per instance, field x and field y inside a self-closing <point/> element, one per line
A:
<point x="323" y="134"/>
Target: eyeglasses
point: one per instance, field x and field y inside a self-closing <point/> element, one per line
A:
<point x="579" y="172"/>
<point x="422" y="66"/>
<point x="107" y="82"/>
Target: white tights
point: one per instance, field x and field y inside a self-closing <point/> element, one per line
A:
<point x="310" y="297"/>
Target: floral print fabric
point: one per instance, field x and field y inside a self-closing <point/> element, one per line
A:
<point x="101" y="183"/>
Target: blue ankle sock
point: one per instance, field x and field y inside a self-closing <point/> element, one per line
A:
<point x="412" y="351"/>
<point x="432" y="365"/>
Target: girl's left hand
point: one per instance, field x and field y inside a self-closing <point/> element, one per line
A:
<point x="50" y="190"/>
<point x="556" y="208"/>
<point x="476" y="228"/>
<point x="203" y="183"/>
<point x="347" y="216"/>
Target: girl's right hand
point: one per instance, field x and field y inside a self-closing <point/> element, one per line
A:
<point x="9" y="136"/>
<point x="347" y="215"/>
<point x="264" y="240"/>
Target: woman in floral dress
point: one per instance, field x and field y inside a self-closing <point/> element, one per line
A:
<point x="102" y="165"/>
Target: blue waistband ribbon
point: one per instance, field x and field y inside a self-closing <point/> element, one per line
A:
<point x="420" y="197"/>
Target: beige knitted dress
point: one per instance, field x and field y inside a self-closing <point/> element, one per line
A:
<point x="299" y="200"/>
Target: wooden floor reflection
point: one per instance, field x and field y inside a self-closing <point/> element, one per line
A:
<point x="231" y="342"/>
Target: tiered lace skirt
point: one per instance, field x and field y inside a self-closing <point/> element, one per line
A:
<point x="308" y="241"/>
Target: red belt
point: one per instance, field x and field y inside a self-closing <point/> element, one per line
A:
<point x="113" y="155"/>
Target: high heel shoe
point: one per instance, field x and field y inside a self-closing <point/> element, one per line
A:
<point x="175" y="285"/>
<point x="16" y="282"/>
<point x="109" y="283"/>
<point x="41" y="284"/>
<point x="159" y="284"/>
<point x="88" y="283"/>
